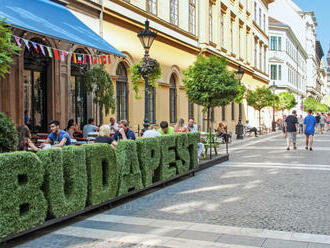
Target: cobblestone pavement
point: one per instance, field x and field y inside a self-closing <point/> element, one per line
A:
<point x="264" y="196"/>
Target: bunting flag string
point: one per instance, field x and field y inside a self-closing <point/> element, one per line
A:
<point x="58" y="54"/>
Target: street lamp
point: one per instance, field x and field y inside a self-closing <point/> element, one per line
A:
<point x="239" y="127"/>
<point x="273" y="87"/>
<point x="146" y="37"/>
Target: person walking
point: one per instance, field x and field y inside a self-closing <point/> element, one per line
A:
<point x="318" y="124"/>
<point x="291" y="126"/>
<point x="301" y="124"/>
<point x="323" y="120"/>
<point x="309" y="129"/>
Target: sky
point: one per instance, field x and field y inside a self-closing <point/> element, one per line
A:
<point x="321" y="10"/>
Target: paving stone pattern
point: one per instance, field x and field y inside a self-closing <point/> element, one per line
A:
<point x="264" y="196"/>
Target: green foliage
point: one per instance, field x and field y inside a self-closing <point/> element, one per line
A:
<point x="65" y="184"/>
<point x="183" y="154"/>
<point x="241" y="93"/>
<point x="167" y="167"/>
<point x="99" y="81"/>
<point x="7" y="48"/>
<point x="260" y="98"/>
<point x="322" y="108"/>
<point x="8" y="134"/>
<point x="314" y="105"/>
<point x="102" y="173"/>
<point x="138" y="81"/>
<point x="209" y="84"/>
<point x="130" y="177"/>
<point x="149" y="157"/>
<point x="285" y="100"/>
<point x="22" y="203"/>
<point x="193" y="140"/>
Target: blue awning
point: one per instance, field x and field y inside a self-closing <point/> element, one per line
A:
<point x="54" y="20"/>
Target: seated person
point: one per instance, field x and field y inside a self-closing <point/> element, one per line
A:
<point x="89" y="128"/>
<point x="222" y="132"/>
<point x="165" y="129"/>
<point x="113" y="125"/>
<point x="24" y="142"/>
<point x="249" y="128"/>
<point x="179" y="127"/>
<point x="124" y="133"/>
<point x="104" y="136"/>
<point x="191" y="127"/>
<point x="72" y="128"/>
<point x="150" y="133"/>
<point x="57" y="137"/>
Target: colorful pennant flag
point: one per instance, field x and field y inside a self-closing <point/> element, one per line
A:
<point x="100" y="59"/>
<point x="50" y="53"/>
<point x="56" y="54"/>
<point x="85" y="59"/>
<point x="42" y="49"/>
<point x="62" y="56"/>
<point x="90" y="59"/>
<point x="79" y="59"/>
<point x="104" y="59"/>
<point x="109" y="59"/>
<point x="18" y="42"/>
<point x="35" y="46"/>
<point x="95" y="59"/>
<point x="74" y="59"/>
<point x="26" y="43"/>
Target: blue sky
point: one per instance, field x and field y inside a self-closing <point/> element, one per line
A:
<point x="321" y="10"/>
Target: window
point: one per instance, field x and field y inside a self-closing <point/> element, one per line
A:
<point x="273" y="43"/>
<point x="152" y="6"/>
<point x="222" y="32"/>
<point x="232" y="111"/>
<point x="264" y="22"/>
<point x="279" y="43"/>
<point x="173" y="107"/>
<point x="152" y="105"/>
<point x="255" y="53"/>
<point x="255" y="11"/>
<point x="260" y="17"/>
<point x="223" y="113"/>
<point x="260" y="57"/>
<point x="231" y="35"/>
<point x="273" y="71"/>
<point x="122" y="93"/>
<point x="265" y="59"/>
<point x="210" y="23"/>
<point x="279" y="72"/>
<point x="190" y="110"/>
<point x="192" y="16"/>
<point x="247" y="42"/>
<point x="174" y="12"/>
<point x="239" y="41"/>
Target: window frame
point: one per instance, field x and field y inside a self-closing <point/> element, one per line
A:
<point x="192" y="16"/>
<point x="151" y="6"/>
<point x="174" y="12"/>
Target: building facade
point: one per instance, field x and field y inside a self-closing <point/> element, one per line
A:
<point x="235" y="29"/>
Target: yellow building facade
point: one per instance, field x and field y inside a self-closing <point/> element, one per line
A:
<point x="235" y="29"/>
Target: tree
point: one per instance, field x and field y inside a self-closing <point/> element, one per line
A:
<point x="209" y="84"/>
<point x="285" y="100"/>
<point x="99" y="82"/>
<point x="310" y="103"/>
<point x="259" y="99"/>
<point x="7" y="48"/>
<point x="322" y="107"/>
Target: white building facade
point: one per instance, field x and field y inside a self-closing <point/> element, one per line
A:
<point x="287" y="53"/>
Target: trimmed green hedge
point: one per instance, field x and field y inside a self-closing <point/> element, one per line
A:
<point x="149" y="158"/>
<point x="183" y="154"/>
<point x="168" y="165"/>
<point x="102" y="173"/>
<point x="22" y="202"/>
<point x="130" y="177"/>
<point x="65" y="183"/>
<point x="193" y="139"/>
<point x="57" y="182"/>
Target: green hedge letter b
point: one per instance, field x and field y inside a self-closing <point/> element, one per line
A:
<point x="22" y="203"/>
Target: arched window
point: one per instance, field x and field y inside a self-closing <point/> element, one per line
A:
<point x="78" y="90"/>
<point x="36" y="79"/>
<point x="122" y="92"/>
<point x="173" y="111"/>
<point x="152" y="105"/>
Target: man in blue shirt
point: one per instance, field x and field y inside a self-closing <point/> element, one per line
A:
<point x="124" y="132"/>
<point x="90" y="127"/>
<point x="309" y="130"/>
<point x="57" y="137"/>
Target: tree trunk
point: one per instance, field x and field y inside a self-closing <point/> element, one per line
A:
<point x="260" y="121"/>
<point x="208" y="119"/>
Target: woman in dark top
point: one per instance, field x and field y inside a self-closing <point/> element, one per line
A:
<point x="24" y="142"/>
<point x="104" y="136"/>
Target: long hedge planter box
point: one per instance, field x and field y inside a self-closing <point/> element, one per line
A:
<point x="50" y="184"/>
